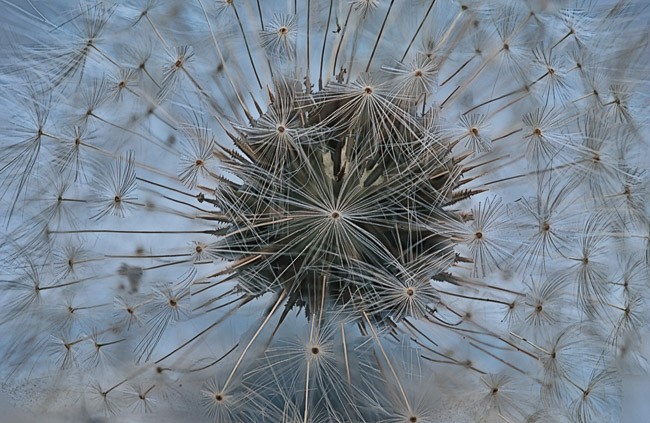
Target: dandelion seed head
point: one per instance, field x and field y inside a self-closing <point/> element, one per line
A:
<point x="345" y="210"/>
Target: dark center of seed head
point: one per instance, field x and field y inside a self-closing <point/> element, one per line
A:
<point x="474" y="131"/>
<point x="410" y="292"/>
<point x="368" y="90"/>
<point x="413" y="419"/>
<point x="281" y="128"/>
<point x="315" y="350"/>
<point x="418" y="73"/>
<point x="335" y="214"/>
<point x="218" y="397"/>
<point x="283" y="30"/>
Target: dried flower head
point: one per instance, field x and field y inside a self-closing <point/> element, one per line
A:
<point x="302" y="211"/>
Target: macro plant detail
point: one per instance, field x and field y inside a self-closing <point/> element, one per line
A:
<point x="317" y="211"/>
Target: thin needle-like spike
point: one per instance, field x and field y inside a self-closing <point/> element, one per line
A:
<point x="345" y="354"/>
<point x="248" y="50"/>
<point x="399" y="384"/>
<point x="241" y="357"/>
<point x="225" y="66"/>
<point x="417" y="31"/>
<point x="381" y="32"/>
<point x="307" y="82"/>
<point x="322" y="54"/>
